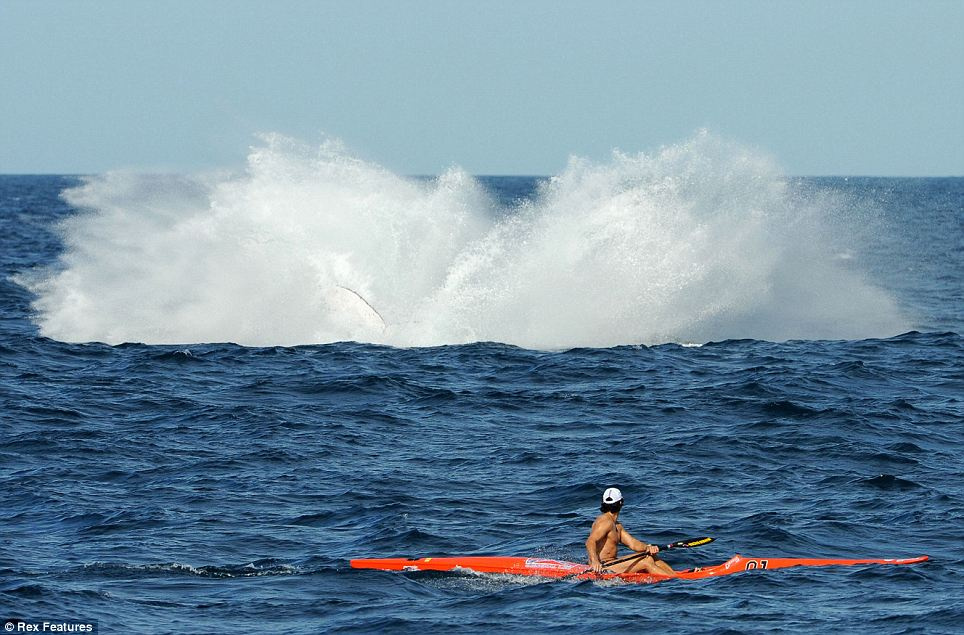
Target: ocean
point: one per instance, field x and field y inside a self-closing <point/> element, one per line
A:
<point x="216" y="389"/>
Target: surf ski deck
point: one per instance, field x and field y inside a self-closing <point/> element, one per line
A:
<point x="562" y="569"/>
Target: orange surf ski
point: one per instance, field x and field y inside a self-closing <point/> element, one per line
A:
<point x="546" y="568"/>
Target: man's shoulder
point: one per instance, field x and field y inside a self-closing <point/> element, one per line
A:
<point x="603" y="518"/>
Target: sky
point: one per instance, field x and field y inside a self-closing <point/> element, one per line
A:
<point x="495" y="87"/>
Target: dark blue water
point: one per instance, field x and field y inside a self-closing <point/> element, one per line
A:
<point x="214" y="487"/>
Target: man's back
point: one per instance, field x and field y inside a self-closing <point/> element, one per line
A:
<point x="606" y="531"/>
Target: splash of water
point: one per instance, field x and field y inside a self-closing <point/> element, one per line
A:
<point x="700" y="241"/>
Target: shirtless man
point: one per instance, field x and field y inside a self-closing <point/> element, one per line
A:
<point x="606" y="535"/>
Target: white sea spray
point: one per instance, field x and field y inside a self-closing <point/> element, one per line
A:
<point x="700" y="241"/>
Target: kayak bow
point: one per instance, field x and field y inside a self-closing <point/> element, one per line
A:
<point x="546" y="568"/>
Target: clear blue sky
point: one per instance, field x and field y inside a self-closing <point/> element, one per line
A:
<point x="516" y="87"/>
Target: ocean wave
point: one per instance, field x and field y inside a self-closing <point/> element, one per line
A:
<point x="251" y="569"/>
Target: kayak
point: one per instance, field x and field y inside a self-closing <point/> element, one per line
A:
<point x="545" y="568"/>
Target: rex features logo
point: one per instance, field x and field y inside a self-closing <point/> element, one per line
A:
<point x="22" y="626"/>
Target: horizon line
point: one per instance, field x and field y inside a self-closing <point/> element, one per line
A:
<point x="483" y="176"/>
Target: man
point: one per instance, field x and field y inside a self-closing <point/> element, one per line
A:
<point x="607" y="533"/>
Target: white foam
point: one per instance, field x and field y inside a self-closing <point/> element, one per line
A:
<point x="700" y="241"/>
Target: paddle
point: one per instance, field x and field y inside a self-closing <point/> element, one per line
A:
<point x="680" y="544"/>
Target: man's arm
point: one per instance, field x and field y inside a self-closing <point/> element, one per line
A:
<point x="636" y="545"/>
<point x="600" y="528"/>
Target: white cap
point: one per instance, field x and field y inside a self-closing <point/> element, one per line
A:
<point x="612" y="495"/>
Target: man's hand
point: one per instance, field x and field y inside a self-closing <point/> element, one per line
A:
<point x="596" y="566"/>
<point x="652" y="550"/>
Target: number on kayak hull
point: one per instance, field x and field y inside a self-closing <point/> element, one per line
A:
<point x="756" y="564"/>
